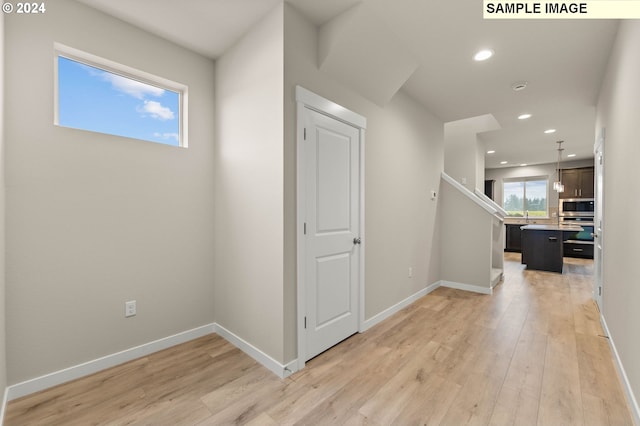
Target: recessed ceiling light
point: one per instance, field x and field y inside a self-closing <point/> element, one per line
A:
<point x="483" y="55"/>
<point x="519" y="85"/>
<point x="491" y="152"/>
<point x="550" y="131"/>
<point x="571" y="155"/>
<point x="523" y="164"/>
<point x="524" y="116"/>
<point x="503" y="162"/>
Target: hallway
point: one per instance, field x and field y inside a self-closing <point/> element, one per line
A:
<point x="533" y="353"/>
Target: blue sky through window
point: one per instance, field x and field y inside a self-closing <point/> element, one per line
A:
<point x="93" y="99"/>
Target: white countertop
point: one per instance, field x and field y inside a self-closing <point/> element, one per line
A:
<point x="553" y="228"/>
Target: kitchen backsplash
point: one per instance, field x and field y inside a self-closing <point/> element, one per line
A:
<point x="553" y="218"/>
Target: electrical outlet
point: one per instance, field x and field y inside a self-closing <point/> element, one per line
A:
<point x="130" y="308"/>
<point x="410" y="272"/>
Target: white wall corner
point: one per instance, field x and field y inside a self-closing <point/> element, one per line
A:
<point x="280" y="370"/>
<point x="467" y="287"/>
<point x="81" y="370"/>
<point x="330" y="33"/>
<point x="344" y="53"/>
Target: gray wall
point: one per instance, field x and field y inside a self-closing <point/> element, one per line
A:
<point x="94" y="220"/>
<point x="404" y="153"/>
<point x="618" y="105"/>
<point x="249" y="187"/>
<point x="465" y="149"/>
<point x="468" y="229"/>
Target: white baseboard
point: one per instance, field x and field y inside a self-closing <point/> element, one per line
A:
<point x="397" y="307"/>
<point x="281" y="370"/>
<point x="633" y="402"/>
<point x="62" y="376"/>
<point x="467" y="287"/>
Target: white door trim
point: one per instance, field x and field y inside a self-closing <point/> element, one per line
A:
<point x="307" y="99"/>
<point x="598" y="226"/>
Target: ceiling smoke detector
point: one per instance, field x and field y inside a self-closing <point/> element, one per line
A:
<point x="519" y="85"/>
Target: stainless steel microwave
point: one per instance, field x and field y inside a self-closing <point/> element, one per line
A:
<point x="576" y="207"/>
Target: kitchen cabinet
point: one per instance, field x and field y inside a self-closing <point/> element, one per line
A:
<point x="542" y="248"/>
<point x="513" y="239"/>
<point x="578" y="244"/>
<point x="578" y="183"/>
<point x="578" y="249"/>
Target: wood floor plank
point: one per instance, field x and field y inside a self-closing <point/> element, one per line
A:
<point x="430" y="403"/>
<point x="474" y="402"/>
<point x="343" y="406"/>
<point x="532" y="353"/>
<point x="597" y="371"/>
<point x="514" y="407"/>
<point x="396" y="393"/>
<point x="561" y="396"/>
<point x="187" y="412"/>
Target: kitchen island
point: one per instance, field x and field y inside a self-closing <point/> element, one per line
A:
<point x="542" y="246"/>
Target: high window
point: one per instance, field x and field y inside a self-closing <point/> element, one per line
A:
<point x="102" y="96"/>
<point x="526" y="196"/>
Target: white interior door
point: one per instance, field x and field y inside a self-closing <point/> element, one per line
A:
<point x="332" y="231"/>
<point x="598" y="234"/>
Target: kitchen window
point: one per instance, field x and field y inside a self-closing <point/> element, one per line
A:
<point x="526" y="197"/>
<point x="98" y="95"/>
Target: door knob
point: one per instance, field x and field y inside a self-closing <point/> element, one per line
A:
<point x="357" y="240"/>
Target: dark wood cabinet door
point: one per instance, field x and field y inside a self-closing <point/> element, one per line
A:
<point x="513" y="238"/>
<point x="571" y="182"/>
<point x="586" y="183"/>
<point x="542" y="250"/>
<point x="578" y="183"/>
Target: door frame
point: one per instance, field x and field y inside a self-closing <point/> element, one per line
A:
<point x="309" y="100"/>
<point x="598" y="229"/>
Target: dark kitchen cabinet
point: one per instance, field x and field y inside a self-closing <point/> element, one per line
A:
<point x="578" y="249"/>
<point x="577" y="244"/>
<point x="587" y="187"/>
<point x="578" y="183"/>
<point x="513" y="238"/>
<point x="542" y="250"/>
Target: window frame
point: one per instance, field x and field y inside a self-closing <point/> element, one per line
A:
<point x="127" y="72"/>
<point x="527" y="179"/>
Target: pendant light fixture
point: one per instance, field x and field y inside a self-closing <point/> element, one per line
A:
<point x="557" y="185"/>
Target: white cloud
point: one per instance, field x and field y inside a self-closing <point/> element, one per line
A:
<point x="125" y="85"/>
<point x="167" y="136"/>
<point x="132" y="87"/>
<point x="156" y="110"/>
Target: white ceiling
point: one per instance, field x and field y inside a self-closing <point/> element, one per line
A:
<point x="563" y="61"/>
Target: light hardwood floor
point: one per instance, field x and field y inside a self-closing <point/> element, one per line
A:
<point x="533" y="353"/>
